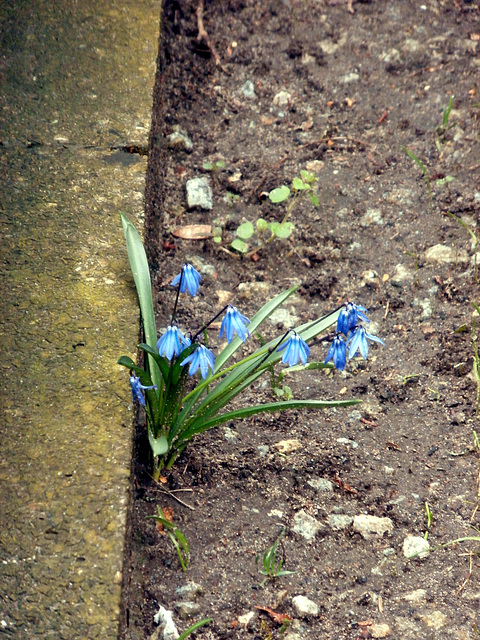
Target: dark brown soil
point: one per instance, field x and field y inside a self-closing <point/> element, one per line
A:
<point x="360" y="87"/>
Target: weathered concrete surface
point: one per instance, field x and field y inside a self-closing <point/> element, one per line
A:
<point x="76" y="80"/>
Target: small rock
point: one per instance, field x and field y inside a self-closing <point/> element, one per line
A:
<point x="415" y="597"/>
<point x="373" y="216"/>
<point x="401" y="275"/>
<point x="164" y="618"/>
<point x="246" y="618"/>
<point x="287" y="446"/>
<point x="347" y="442"/>
<point x="380" y="630"/>
<point x="340" y="521"/>
<point x="370" y="526"/>
<point x="415" y="547"/>
<point x="349" y="77"/>
<point x="436" y="619"/>
<point x="305" y="607"/>
<point x="262" y="450"/>
<point x="180" y="140"/>
<point x="253" y="290"/>
<point x="285" y="317"/>
<point x="199" y="193"/>
<point x="443" y="254"/>
<point x="248" y="90"/>
<point x="306" y="525"/>
<point x="229" y="434"/>
<point x="187" y="609"/>
<point x="321" y="485"/>
<point x="282" y="99"/>
<point x="189" y="590"/>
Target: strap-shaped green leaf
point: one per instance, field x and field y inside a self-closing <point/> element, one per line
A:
<point x="141" y="275"/>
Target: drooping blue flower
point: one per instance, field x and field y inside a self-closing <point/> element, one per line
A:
<point x="349" y="317"/>
<point x="358" y="342"/>
<point x="234" y="322"/>
<point x="202" y="358"/>
<point x="295" y="349"/>
<point x="189" y="279"/>
<point x="137" y="387"/>
<point x="172" y="343"/>
<point x="337" y="353"/>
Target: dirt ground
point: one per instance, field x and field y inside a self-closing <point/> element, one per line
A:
<point x="277" y="87"/>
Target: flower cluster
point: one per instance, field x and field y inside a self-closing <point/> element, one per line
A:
<point x="355" y="337"/>
<point x="173" y="343"/>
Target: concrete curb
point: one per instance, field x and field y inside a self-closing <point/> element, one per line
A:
<point x="77" y="91"/>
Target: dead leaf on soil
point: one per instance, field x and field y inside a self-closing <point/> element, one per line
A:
<point x="280" y="618"/>
<point x="167" y="513"/>
<point x="193" y="232"/>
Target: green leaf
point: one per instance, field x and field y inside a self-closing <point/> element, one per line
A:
<point x="299" y="185"/>
<point x="245" y="230"/>
<point x="314" y="199"/>
<point x="443" y="181"/>
<point x="262" y="225"/>
<point x="272" y="407"/>
<point x="307" y="176"/>
<point x="239" y="245"/>
<point x="282" y="229"/>
<point x="280" y="194"/>
<point x="141" y="275"/>
<point x="194" y="627"/>
<point x="159" y="445"/>
<point x="160" y="360"/>
<point x="207" y="166"/>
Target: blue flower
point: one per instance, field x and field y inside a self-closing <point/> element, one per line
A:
<point x="358" y="342"/>
<point x="172" y="343"/>
<point x="202" y="358"/>
<point x="295" y="349"/>
<point x="338" y="353"/>
<point x="349" y="317"/>
<point x="189" y="279"/>
<point x="137" y="387"/>
<point x="234" y="322"/>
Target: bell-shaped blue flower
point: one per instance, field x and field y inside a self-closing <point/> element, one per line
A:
<point x="234" y="322"/>
<point x="172" y="343"/>
<point x="359" y="342"/>
<point x="295" y="349"/>
<point x="189" y="279"/>
<point x="337" y="353"/>
<point x="349" y="317"/>
<point x="137" y="387"/>
<point x="202" y="358"/>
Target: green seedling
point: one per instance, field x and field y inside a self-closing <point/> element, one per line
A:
<point x="412" y="378"/>
<point x="474" y="240"/>
<point x="264" y="232"/>
<point x="440" y="181"/>
<point x="178" y="540"/>
<point x="194" y="627"/>
<point x="271" y="567"/>
<point x="444" y="127"/>
<point x="429" y="518"/>
<point x="476" y="360"/>
<point x="476" y="442"/>
<point x="213" y="166"/>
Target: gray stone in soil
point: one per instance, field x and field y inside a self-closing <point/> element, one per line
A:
<point x="305" y="607"/>
<point x="340" y="521"/>
<point x="321" y="485"/>
<point x="415" y="547"/>
<point x="187" y="609"/>
<point x="443" y="254"/>
<point x="248" y="90"/>
<point x="199" y="194"/>
<point x="371" y="526"/>
<point x="306" y="525"/>
<point x="189" y="590"/>
<point x="179" y="139"/>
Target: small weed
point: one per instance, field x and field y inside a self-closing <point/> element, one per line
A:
<point x="444" y="127"/>
<point x="474" y="239"/>
<point x="263" y="232"/>
<point x="429" y="518"/>
<point x="271" y="568"/>
<point x="440" y="181"/>
<point x="213" y="166"/>
<point x="178" y="539"/>
<point x="476" y="360"/>
<point x="194" y="627"/>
